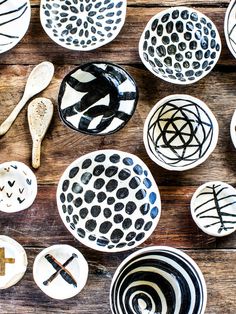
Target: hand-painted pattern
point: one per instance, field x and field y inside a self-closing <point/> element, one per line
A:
<point x="4" y="261"/>
<point x="230" y="27"/>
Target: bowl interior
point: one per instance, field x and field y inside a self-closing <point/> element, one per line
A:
<point x="180" y="132"/>
<point x="109" y="200"/>
<point x="229" y="27"/>
<point x="97" y="98"/>
<point x="180" y="45"/>
<point x="158" y="281"/>
<point x="84" y="24"/>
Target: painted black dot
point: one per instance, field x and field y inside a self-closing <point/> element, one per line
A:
<point x="131" y="243"/>
<point x="89" y="196"/>
<point x="182" y="46"/>
<point x="91" y="225"/>
<point x="67" y="219"/>
<point x="193" y="45"/>
<point x="154" y="41"/>
<point x="78" y="202"/>
<point x="213" y="55"/>
<point x="121" y="245"/>
<point x="139" y="223"/>
<point x="62" y="197"/>
<point x="69" y="209"/>
<point x="134" y="182"/>
<point x="188" y="55"/>
<point x="185" y="14"/>
<point x="105" y="227"/>
<point x="194" y="16"/>
<point x="70" y="197"/>
<point x="171" y="50"/>
<point x="186" y="64"/>
<point x="198" y="35"/>
<point x="98" y="170"/>
<point x="204" y="43"/>
<point x="165" y="18"/>
<point x="117" y="235"/>
<point x="151" y="51"/>
<point x="179" y="27"/>
<point x="75" y="219"/>
<point x="189" y="73"/>
<point x="127" y="223"/>
<point x="111" y="185"/>
<point x="73" y="172"/>
<point x="169" y="27"/>
<point x="141" y="194"/>
<point x="196" y="65"/>
<point x="199" y="55"/>
<point x="213" y="34"/>
<point x="122" y="193"/>
<point x="83" y="213"/>
<point x="188" y="36"/>
<point x="81" y="232"/>
<point x="65" y="185"/>
<point x="174" y="38"/>
<point x="100" y="158"/>
<point x="165" y="40"/>
<point x="140" y="236"/>
<point x="154" y="24"/>
<point x="111" y="200"/>
<point x="199" y="73"/>
<point x="175" y="14"/>
<point x="158" y="63"/>
<point x="130" y="236"/>
<point x="99" y="183"/>
<point x="147" y="183"/>
<point x="168" y="61"/>
<point x="207" y="54"/>
<point x="179" y="57"/>
<point x="107" y="213"/>
<point x="102" y="241"/>
<point x="148" y="226"/>
<point x="206" y="31"/>
<point x="144" y="209"/>
<point x="119" y="206"/>
<point x="64" y="208"/>
<point x="130" y="207"/>
<point x="101" y="197"/>
<point x="124" y="174"/>
<point x="115" y="158"/>
<point x="177" y="67"/>
<point x="86" y="177"/>
<point x="72" y="226"/>
<point x="128" y="161"/>
<point x="111" y="246"/>
<point x="213" y="43"/>
<point x="160" y="30"/>
<point x="189" y="26"/>
<point x="77" y="188"/>
<point x="118" y="218"/>
<point x="111" y="171"/>
<point x="92" y="237"/>
<point x="161" y="51"/>
<point x="95" y="210"/>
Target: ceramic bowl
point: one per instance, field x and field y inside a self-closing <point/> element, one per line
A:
<point x="213" y="208"/>
<point x="109" y="200"/>
<point x="233" y="129"/>
<point x="13" y="262"/>
<point x="159" y="280"/>
<point x="180" y="45"/>
<point x="14" y="22"/>
<point x="97" y="98"/>
<point x="180" y="132"/>
<point x="18" y="187"/>
<point x="229" y="27"/>
<point x="60" y="271"/>
<point x="82" y="25"/>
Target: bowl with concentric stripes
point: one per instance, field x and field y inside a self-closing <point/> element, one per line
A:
<point x="158" y="280"/>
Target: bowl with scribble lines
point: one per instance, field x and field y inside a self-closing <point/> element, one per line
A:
<point x="14" y="22"/>
<point x="158" y="280"/>
<point x="180" y="132"/>
<point x="180" y="45"/>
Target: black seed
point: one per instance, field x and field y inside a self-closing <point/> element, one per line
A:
<point x="73" y="172"/>
<point x="98" y="170"/>
<point x="105" y="227"/>
<point x="85" y="178"/>
<point x="206" y="31"/>
<point x="91" y="225"/>
<point x="121" y="245"/>
<point x="130" y="207"/>
<point x="207" y="54"/>
<point x="122" y="193"/>
<point x="101" y="197"/>
<point x="213" y="34"/>
<point x="177" y="67"/>
<point x="83" y="213"/>
<point x="198" y="35"/>
<point x="189" y="26"/>
<point x="199" y="73"/>
<point x="68" y="219"/>
<point x="77" y="188"/>
<point x="158" y="63"/>
<point x="81" y="232"/>
<point x="154" y="41"/>
<point x="204" y="65"/>
<point x="65" y="185"/>
<point x="131" y="243"/>
<point x="196" y="65"/>
<point x="95" y="211"/>
<point x="89" y="196"/>
<point x="118" y="218"/>
<point x="186" y="64"/>
<point x="213" y="43"/>
<point x="194" y="16"/>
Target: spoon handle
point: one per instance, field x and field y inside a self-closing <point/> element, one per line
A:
<point x="5" y="126"/>
<point x="36" y="151"/>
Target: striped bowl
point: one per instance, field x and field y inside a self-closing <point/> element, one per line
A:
<point x="158" y="280"/>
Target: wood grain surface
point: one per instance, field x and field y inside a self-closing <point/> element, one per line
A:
<point x="40" y="226"/>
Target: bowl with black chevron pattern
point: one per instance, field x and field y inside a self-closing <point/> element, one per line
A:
<point x="158" y="280"/>
<point x="82" y="25"/>
<point x="97" y="98"/>
<point x="14" y="22"/>
<point x="109" y="200"/>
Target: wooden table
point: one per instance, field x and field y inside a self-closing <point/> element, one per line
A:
<point x="40" y="226"/>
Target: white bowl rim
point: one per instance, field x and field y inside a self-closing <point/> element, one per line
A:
<point x="227" y="13"/>
<point x="214" y="138"/>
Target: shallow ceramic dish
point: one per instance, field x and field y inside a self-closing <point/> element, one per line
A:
<point x="109" y="200"/>
<point x="180" y="132"/>
<point x="84" y="24"/>
<point x="213" y="208"/>
<point x="97" y="98"/>
<point x="230" y="27"/>
<point x="233" y="129"/>
<point x="180" y="45"/>
<point x="18" y="187"/>
<point x="14" y="22"/>
<point x="60" y="271"/>
<point x="158" y="280"/>
<point x="13" y="262"/>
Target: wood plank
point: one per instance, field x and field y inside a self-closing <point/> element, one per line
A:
<point x="26" y="297"/>
<point x="36" y="46"/>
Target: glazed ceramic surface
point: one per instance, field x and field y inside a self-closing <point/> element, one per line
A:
<point x="97" y="98"/>
<point x="180" y="132"/>
<point x="84" y="24"/>
<point x="230" y="27"/>
<point x="60" y="271"/>
<point x="180" y="45"/>
<point x="14" y="22"/>
<point x="13" y="262"/>
<point x="158" y="280"/>
<point x="18" y="187"/>
<point x="109" y="200"/>
<point x="233" y="129"/>
<point x="213" y="208"/>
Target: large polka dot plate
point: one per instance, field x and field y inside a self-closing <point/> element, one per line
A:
<point x="158" y="280"/>
<point x="109" y="200"/>
<point x="82" y="24"/>
<point x="180" y="45"/>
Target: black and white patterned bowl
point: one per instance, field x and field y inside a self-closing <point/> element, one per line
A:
<point x="180" y="45"/>
<point x="109" y="200"/>
<point x="230" y="27"/>
<point x="180" y="132"/>
<point x="14" y="22"/>
<point x="82" y="24"/>
<point x="97" y="98"/>
<point x="158" y="280"/>
<point x="213" y="208"/>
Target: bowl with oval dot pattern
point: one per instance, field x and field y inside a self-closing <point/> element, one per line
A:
<point x="82" y="25"/>
<point x="180" y="45"/>
<point x="109" y="200"/>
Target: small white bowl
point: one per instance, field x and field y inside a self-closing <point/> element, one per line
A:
<point x="14" y="22"/>
<point x="180" y="132"/>
<point x="230" y="27"/>
<point x="213" y="208"/>
<point x="158" y="279"/>
<point x="60" y="271"/>
<point x="180" y="45"/>
<point x="82" y="25"/>
<point x="13" y="262"/>
<point x="18" y="187"/>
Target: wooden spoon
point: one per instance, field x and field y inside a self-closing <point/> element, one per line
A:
<point x="40" y="112"/>
<point x="38" y="80"/>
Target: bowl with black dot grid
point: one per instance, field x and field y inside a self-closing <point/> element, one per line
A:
<point x="180" y="45"/>
<point x="82" y="25"/>
<point x="109" y="200"/>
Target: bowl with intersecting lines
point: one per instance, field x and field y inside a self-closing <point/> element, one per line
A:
<point x="180" y="132"/>
<point x="180" y="45"/>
